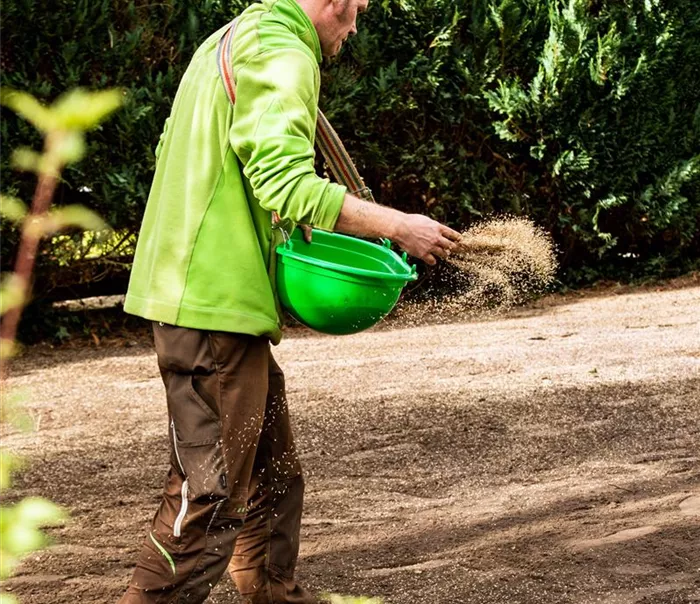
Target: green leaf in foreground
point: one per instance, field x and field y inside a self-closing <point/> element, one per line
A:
<point x="11" y="293"/>
<point x="12" y="208"/>
<point x="29" y="108"/>
<point x="81" y="109"/>
<point x="68" y="216"/>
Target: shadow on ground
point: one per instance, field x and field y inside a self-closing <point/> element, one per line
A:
<point x="571" y="496"/>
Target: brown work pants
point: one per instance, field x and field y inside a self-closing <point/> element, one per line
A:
<point x="234" y="491"/>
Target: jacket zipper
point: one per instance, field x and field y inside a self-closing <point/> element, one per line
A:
<point x="177" y="527"/>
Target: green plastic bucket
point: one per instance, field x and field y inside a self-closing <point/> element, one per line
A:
<point x="338" y="284"/>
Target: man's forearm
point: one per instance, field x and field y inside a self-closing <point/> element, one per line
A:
<point x="418" y="235"/>
<point x="367" y="219"/>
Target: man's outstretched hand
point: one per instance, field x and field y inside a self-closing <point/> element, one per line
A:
<point x="424" y="237"/>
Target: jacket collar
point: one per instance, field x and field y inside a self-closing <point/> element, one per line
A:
<point x="299" y="23"/>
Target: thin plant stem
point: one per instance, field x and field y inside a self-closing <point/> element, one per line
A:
<point x="26" y="254"/>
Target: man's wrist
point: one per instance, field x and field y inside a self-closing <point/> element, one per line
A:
<point x="395" y="226"/>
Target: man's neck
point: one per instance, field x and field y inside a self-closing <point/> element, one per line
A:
<point x="311" y="8"/>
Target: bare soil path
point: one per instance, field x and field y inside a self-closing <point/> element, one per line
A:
<point x="549" y="456"/>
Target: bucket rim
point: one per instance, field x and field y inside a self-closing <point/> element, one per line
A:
<point x="289" y="255"/>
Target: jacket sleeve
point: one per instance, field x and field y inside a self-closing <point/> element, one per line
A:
<point x="273" y="133"/>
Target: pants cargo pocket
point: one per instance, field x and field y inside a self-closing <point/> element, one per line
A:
<point x="196" y="440"/>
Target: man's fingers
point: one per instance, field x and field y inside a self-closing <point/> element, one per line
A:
<point x="429" y="259"/>
<point x="308" y="232"/>
<point x="451" y="234"/>
<point x="443" y="247"/>
<point x="448" y="245"/>
<point x="445" y="251"/>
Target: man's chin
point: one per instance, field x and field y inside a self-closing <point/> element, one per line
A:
<point x="329" y="53"/>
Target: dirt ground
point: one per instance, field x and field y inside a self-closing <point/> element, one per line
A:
<point x="551" y="455"/>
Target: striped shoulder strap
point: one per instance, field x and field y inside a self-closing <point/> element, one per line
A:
<point x="328" y="141"/>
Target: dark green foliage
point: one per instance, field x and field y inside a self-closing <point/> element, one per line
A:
<point x="584" y="114"/>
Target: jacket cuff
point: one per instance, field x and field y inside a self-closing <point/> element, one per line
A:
<point x="327" y="213"/>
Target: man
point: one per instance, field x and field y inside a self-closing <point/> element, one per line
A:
<point x="203" y="273"/>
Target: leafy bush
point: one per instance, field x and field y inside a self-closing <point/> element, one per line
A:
<point x="582" y="113"/>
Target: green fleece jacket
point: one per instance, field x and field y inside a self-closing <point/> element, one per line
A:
<point x="205" y="256"/>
